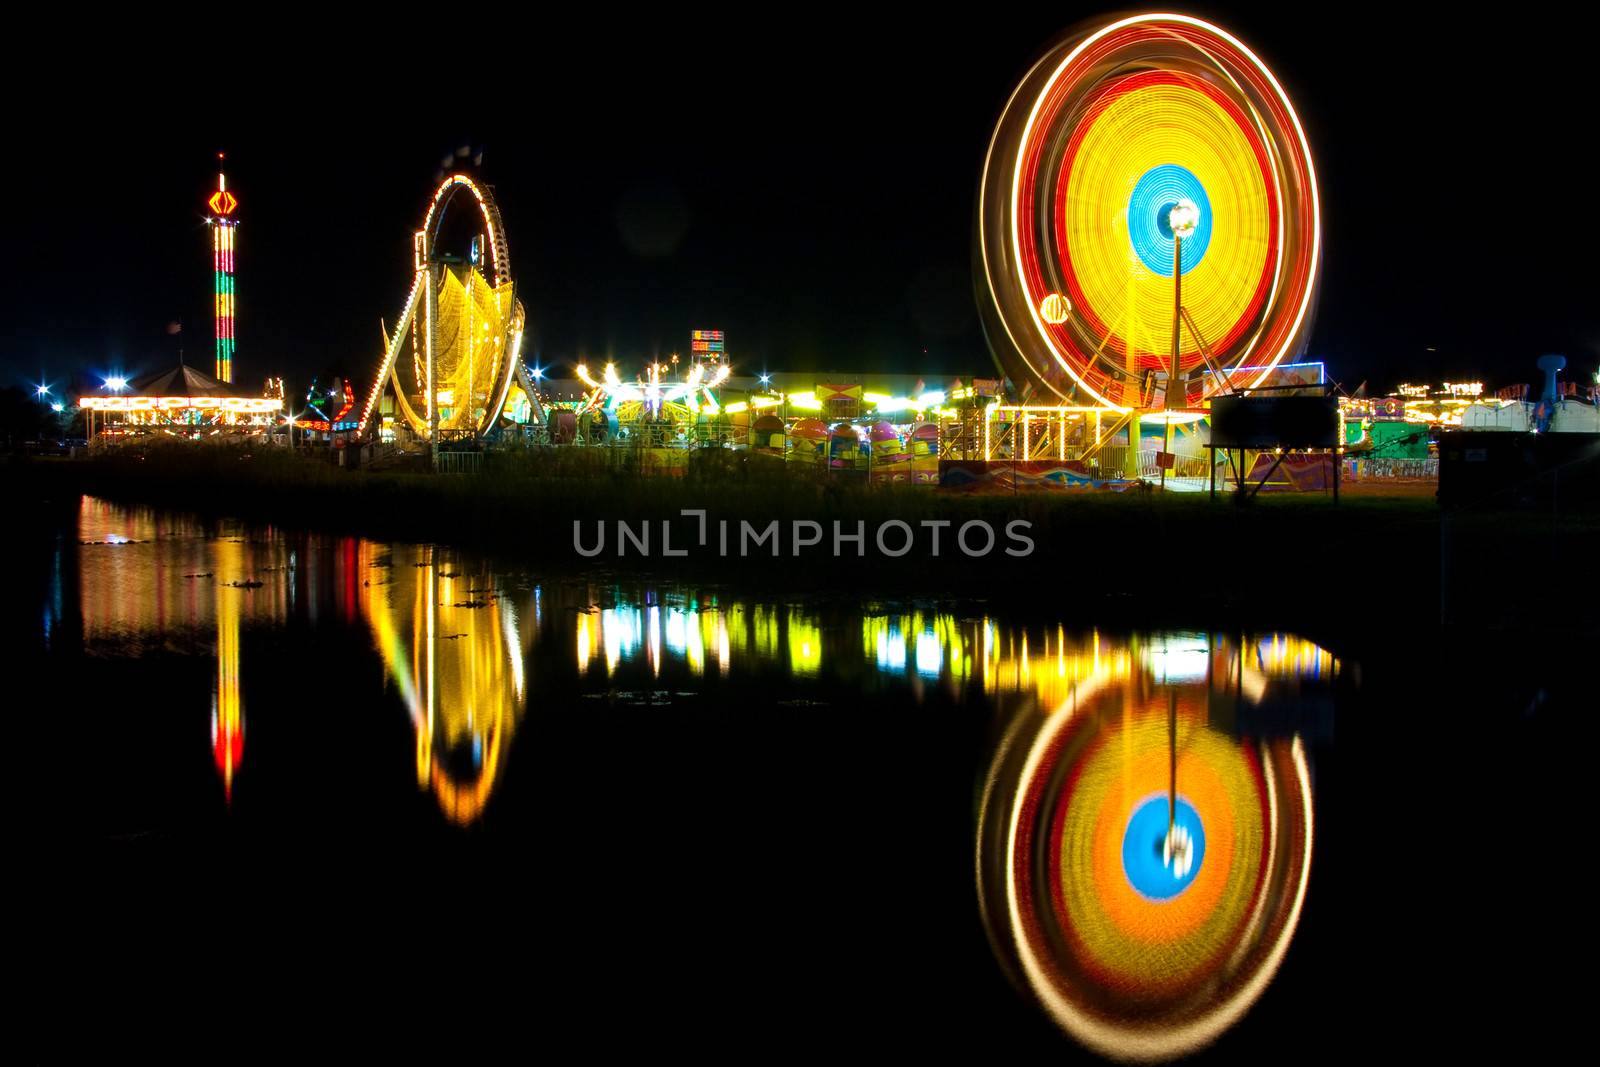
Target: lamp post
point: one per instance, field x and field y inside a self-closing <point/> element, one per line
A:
<point x="1182" y="219"/>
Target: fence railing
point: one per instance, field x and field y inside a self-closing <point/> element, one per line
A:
<point x="1182" y="467"/>
<point x="460" y="462"/>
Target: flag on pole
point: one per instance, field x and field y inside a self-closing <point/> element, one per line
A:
<point x="174" y="327"/>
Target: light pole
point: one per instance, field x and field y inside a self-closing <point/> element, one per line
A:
<point x="1182" y="219"/>
<point x="40" y="392"/>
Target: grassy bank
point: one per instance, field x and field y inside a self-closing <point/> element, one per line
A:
<point x="1281" y="561"/>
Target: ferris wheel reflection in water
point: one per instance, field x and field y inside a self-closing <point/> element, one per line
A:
<point x="1145" y="833"/>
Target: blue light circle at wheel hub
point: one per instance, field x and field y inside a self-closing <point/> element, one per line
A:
<point x="1151" y="871"/>
<point x="1155" y="194"/>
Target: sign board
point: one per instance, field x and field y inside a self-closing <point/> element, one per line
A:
<point x="1274" y="422"/>
<point x="1284" y="378"/>
<point x="709" y="343"/>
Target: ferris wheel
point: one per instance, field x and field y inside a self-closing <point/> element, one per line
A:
<point x="1148" y="210"/>
<point x="456" y="350"/>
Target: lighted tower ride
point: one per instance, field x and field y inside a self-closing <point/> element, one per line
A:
<point x="223" y="229"/>
<point x="455" y="352"/>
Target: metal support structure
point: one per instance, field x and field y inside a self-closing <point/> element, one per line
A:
<point x="536" y="410"/>
<point x="1174" y="397"/>
<point x="1172" y="762"/>
<point x="432" y="297"/>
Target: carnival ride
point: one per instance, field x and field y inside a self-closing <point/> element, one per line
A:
<point x="455" y="353"/>
<point x="1149" y="230"/>
<point x="224" y="239"/>
<point x="179" y="402"/>
<point x="651" y="409"/>
<point x="329" y="409"/>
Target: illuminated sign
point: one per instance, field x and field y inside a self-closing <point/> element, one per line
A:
<point x="1282" y="376"/>
<point x="707" y="343"/>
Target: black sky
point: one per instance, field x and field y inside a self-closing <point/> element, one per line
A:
<point x="821" y="166"/>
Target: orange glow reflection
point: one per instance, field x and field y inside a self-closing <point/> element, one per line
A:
<point x="455" y="645"/>
<point x="1098" y="733"/>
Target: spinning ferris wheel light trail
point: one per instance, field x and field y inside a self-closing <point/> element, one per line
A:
<point x="1148" y="209"/>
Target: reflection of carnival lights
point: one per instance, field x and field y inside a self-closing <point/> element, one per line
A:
<point x="890" y="646"/>
<point x="939" y="645"/>
<point x="805" y="644"/>
<point x="1177" y="659"/>
<point x="1118" y="1040"/>
<point x="663" y="634"/>
<point x="653" y="639"/>
<point x="227" y="713"/>
<point x="460" y="674"/>
<point x="935" y="645"/>
<point x="930" y="657"/>
<point x="1183" y="994"/>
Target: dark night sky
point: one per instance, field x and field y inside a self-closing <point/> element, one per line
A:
<point x="821" y="170"/>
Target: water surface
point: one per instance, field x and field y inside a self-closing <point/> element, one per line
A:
<point x="642" y="811"/>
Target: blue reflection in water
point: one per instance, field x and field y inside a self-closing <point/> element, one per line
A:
<point x="1152" y="868"/>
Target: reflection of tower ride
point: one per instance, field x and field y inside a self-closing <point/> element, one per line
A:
<point x="1141" y="868"/>
<point x="456" y="652"/>
<point x="227" y="706"/>
<point x="455" y="353"/>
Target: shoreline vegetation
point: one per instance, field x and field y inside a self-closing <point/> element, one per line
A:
<point x="1373" y="563"/>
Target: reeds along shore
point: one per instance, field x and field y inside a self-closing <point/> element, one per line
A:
<point x="1286" y="560"/>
